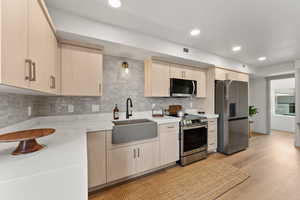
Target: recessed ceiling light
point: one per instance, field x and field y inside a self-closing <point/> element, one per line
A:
<point x="195" y="32"/>
<point x="236" y="48"/>
<point x="262" y="58"/>
<point x="115" y="3"/>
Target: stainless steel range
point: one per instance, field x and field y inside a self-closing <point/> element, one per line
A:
<point x="193" y="139"/>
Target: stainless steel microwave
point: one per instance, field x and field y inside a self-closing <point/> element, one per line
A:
<point x="183" y="88"/>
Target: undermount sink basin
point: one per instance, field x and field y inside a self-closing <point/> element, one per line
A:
<point x="133" y="130"/>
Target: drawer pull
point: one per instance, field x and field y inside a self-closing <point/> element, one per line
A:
<point x="171" y="127"/>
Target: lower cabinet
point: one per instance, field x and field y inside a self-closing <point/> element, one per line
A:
<point x="96" y="159"/>
<point x="127" y="161"/>
<point x="212" y="135"/>
<point x="169" y="143"/>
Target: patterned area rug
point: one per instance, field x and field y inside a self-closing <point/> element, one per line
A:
<point x="204" y="180"/>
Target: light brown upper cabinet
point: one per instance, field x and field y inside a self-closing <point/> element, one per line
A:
<point x="224" y="74"/>
<point x="81" y="71"/>
<point x="27" y="45"/>
<point x="157" y="79"/>
<point x="180" y="72"/>
<point x="159" y="73"/>
<point x="201" y="83"/>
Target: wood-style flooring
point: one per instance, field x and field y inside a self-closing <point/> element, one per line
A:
<point x="274" y="167"/>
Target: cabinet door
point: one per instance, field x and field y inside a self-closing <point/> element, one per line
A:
<point x="189" y="74"/>
<point x="38" y="47"/>
<point x="176" y="72"/>
<point x="121" y="163"/>
<point x="212" y="135"/>
<point x="169" y="143"/>
<point x="160" y="80"/>
<point x="96" y="159"/>
<point x="81" y="71"/>
<point x="54" y="73"/>
<point x="14" y="43"/>
<point x="201" y="84"/>
<point x="147" y="156"/>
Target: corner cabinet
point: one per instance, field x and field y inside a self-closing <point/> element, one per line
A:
<point x="81" y="70"/>
<point x="157" y="79"/>
<point x="28" y="46"/>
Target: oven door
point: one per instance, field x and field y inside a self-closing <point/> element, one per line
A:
<point x="193" y="140"/>
<point x="183" y="88"/>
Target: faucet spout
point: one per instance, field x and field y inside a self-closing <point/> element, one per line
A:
<point x="128" y="112"/>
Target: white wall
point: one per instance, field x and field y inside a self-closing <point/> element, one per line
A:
<point x="281" y="122"/>
<point x="297" y="76"/>
<point x="258" y="98"/>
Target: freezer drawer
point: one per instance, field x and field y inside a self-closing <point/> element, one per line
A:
<point x="237" y="135"/>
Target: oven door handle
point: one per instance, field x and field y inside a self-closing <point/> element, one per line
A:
<point x="194" y="127"/>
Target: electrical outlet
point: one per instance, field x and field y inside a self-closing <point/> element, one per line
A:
<point x="95" y="108"/>
<point x="29" y="111"/>
<point x="70" y="108"/>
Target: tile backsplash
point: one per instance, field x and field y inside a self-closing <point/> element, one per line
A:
<point x="117" y="87"/>
<point x="14" y="108"/>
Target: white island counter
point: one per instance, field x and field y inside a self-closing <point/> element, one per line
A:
<point x="59" y="171"/>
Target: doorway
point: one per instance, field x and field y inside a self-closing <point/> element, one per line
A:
<point x="281" y="101"/>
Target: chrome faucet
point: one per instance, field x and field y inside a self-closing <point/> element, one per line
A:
<point x="128" y="112"/>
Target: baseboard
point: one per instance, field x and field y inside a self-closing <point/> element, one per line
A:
<point x="130" y="178"/>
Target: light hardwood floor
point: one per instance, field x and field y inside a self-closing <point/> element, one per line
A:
<point x="274" y="167"/>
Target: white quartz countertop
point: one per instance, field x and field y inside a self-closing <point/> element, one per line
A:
<point x="59" y="171"/>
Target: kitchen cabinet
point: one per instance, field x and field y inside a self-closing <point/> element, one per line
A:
<point x="212" y="135"/>
<point x="157" y="79"/>
<point x="120" y="163"/>
<point x="96" y="159"/>
<point x="81" y="70"/>
<point x="14" y="43"/>
<point x="130" y="160"/>
<point x="181" y="72"/>
<point x="147" y="156"/>
<point x="200" y="77"/>
<point x="169" y="143"/>
<point x="27" y="39"/>
<point x="224" y="74"/>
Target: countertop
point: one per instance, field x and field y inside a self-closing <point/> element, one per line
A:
<point x="59" y="171"/>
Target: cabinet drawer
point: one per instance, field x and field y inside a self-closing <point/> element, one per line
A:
<point x="171" y="127"/>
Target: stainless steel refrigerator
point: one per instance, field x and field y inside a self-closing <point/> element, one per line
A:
<point x="231" y="103"/>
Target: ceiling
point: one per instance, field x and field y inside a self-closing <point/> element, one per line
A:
<point x="269" y="28"/>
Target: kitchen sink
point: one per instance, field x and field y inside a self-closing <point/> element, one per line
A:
<point x="133" y="130"/>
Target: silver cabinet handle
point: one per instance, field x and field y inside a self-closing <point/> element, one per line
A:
<point x="171" y="127"/>
<point x="52" y="82"/>
<point x="30" y="69"/>
<point x="134" y="153"/>
<point x="138" y="152"/>
<point x="33" y="77"/>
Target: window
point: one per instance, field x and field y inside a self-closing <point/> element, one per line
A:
<point x="285" y="102"/>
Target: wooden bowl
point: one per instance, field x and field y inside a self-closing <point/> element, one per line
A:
<point x="27" y="140"/>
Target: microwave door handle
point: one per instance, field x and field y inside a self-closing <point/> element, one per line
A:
<point x="193" y="88"/>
